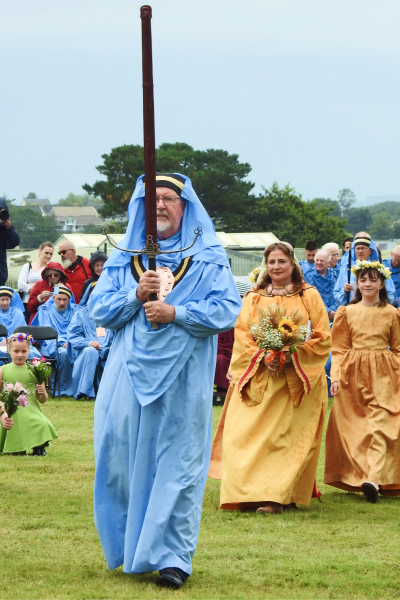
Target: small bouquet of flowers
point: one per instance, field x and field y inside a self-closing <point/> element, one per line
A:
<point x="40" y="368"/>
<point x="13" y="396"/>
<point x="279" y="331"/>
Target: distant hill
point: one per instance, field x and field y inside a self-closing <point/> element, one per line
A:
<point x="377" y="200"/>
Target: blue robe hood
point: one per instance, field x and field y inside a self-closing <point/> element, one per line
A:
<point x="207" y="248"/>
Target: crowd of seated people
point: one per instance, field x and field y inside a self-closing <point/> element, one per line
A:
<point x="56" y="294"/>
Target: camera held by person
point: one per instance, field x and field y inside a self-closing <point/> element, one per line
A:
<point x="9" y="239"/>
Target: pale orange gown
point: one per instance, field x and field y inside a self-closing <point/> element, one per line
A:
<point x="363" y="435"/>
<point x="270" y="433"/>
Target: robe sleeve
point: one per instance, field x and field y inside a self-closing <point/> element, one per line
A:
<point x="395" y="335"/>
<point x="341" y="342"/>
<point x="246" y="355"/>
<point x="309" y="360"/>
<point x="391" y="290"/>
<point x="112" y="305"/>
<point x="338" y="292"/>
<point x="216" y="313"/>
<point x="76" y="335"/>
<point x="33" y="302"/>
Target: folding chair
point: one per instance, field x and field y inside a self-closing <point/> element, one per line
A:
<point x="42" y="333"/>
<point x="4" y="358"/>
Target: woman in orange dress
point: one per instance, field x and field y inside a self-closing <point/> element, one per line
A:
<point x="272" y="428"/>
<point x="362" y="450"/>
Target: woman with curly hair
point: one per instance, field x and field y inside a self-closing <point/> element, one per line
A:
<point x="270" y="431"/>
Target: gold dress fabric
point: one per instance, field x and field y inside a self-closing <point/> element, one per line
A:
<point x="363" y="435"/>
<point x="270" y="433"/>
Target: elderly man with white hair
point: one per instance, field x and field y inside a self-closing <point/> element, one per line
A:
<point x="324" y="280"/>
<point x="333" y="250"/>
<point x="394" y="265"/>
<point x="75" y="267"/>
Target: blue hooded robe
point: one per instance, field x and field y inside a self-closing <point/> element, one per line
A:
<point x="339" y="293"/>
<point x="324" y="285"/>
<point x="88" y="362"/>
<point x="152" y="429"/>
<point x="14" y="317"/>
<point x="306" y="266"/>
<point x="48" y="315"/>
<point x="395" y="278"/>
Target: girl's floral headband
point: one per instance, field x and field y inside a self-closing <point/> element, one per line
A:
<point x="20" y="337"/>
<point x="361" y="265"/>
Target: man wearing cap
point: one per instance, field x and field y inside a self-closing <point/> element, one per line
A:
<point x="88" y="348"/>
<point x="75" y="267"/>
<point x="362" y="248"/>
<point x="154" y="405"/>
<point x="57" y="312"/>
<point x="394" y="265"/>
<point x="96" y="265"/>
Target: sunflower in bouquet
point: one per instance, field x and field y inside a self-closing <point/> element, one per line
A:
<point x="279" y="331"/>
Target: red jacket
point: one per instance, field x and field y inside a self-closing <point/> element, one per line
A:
<point x="38" y="288"/>
<point x="78" y="276"/>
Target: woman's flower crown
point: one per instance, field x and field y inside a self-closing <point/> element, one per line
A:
<point x="20" y="337"/>
<point x="374" y="264"/>
<point x="253" y="276"/>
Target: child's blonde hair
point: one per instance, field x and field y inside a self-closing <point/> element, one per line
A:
<point x="18" y="337"/>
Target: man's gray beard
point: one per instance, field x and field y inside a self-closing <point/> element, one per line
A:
<point x="163" y="225"/>
<point x="66" y="263"/>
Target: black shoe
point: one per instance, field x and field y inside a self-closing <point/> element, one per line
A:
<point x="370" y="491"/>
<point x="171" y="578"/>
<point x="39" y="451"/>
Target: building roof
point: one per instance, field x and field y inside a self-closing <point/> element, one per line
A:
<point x="35" y="202"/>
<point x="74" y="211"/>
<point x="81" y="240"/>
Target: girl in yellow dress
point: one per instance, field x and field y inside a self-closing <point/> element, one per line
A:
<point x="362" y="450"/>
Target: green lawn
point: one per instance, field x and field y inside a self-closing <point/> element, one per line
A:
<point x="343" y="548"/>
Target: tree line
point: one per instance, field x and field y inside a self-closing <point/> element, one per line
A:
<point x="222" y="183"/>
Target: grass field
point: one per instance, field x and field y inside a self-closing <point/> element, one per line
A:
<point x="343" y="548"/>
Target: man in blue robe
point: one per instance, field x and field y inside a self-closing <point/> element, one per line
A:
<point x="334" y="264"/>
<point x="310" y="252"/>
<point x="57" y="312"/>
<point x="324" y="280"/>
<point x="152" y="431"/>
<point x="394" y="265"/>
<point x="362" y="248"/>
<point x="88" y="348"/>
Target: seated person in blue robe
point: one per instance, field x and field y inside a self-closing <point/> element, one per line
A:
<point x="362" y="248"/>
<point x="88" y="348"/>
<point x="324" y="280"/>
<point x="310" y="251"/>
<point x="58" y="312"/>
<point x="334" y="264"/>
<point x="153" y="410"/>
<point x="394" y="265"/>
<point x="12" y="316"/>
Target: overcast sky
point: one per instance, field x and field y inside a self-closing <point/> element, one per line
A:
<point x="306" y="91"/>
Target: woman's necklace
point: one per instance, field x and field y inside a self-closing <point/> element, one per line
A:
<point x="279" y="290"/>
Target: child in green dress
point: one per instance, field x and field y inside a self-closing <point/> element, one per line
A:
<point x="30" y="428"/>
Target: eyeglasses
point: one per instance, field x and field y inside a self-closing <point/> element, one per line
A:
<point x="168" y="200"/>
<point x="54" y="275"/>
<point x="62" y="252"/>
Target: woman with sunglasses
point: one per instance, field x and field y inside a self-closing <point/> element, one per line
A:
<point x="52" y="276"/>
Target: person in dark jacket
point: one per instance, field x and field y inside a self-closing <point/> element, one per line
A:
<point x="9" y="238"/>
<point x="96" y="264"/>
